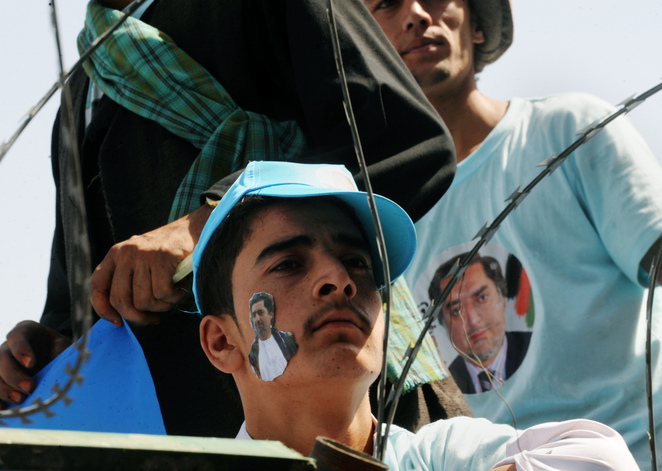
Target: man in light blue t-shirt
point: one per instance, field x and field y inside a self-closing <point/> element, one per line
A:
<point x="575" y="252"/>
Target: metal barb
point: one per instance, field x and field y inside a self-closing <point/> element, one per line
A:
<point x="455" y="268"/>
<point x="591" y="133"/>
<point x="633" y="105"/>
<point x="586" y="129"/>
<point x="556" y="163"/>
<point x="627" y="101"/>
<point x="513" y="196"/>
<point x="547" y="161"/>
<point x="483" y="230"/>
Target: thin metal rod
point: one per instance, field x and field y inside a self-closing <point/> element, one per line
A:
<point x="382" y="432"/>
<point x="653" y="275"/>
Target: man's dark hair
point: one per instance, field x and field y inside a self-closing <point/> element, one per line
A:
<point x="214" y="277"/>
<point x="266" y="297"/>
<point x="492" y="48"/>
<point x="268" y="305"/>
<point x="490" y="265"/>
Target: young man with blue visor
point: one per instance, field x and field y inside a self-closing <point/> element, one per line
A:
<point x="304" y="235"/>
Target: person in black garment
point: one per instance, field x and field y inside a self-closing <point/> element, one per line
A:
<point x="274" y="58"/>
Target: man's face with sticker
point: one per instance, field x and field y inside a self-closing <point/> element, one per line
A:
<point x="314" y="261"/>
<point x="474" y="314"/>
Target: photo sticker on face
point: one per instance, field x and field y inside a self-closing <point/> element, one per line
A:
<point x="486" y="323"/>
<point x="272" y="349"/>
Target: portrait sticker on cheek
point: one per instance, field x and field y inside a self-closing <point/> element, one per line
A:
<point x="272" y="349"/>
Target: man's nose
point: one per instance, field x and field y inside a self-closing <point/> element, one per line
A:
<point x="333" y="278"/>
<point x="416" y="16"/>
<point x="470" y="314"/>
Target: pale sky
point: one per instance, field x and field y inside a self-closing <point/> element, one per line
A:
<point x="605" y="47"/>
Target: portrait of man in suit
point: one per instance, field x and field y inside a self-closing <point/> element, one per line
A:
<point x="474" y="315"/>
<point x="271" y="349"/>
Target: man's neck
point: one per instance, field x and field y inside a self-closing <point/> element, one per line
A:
<point x="266" y="336"/>
<point x="469" y="115"/>
<point x="297" y="421"/>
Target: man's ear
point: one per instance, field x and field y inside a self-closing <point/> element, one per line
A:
<point x="219" y="338"/>
<point x="477" y="35"/>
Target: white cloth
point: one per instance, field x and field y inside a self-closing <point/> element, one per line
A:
<point x="271" y="358"/>
<point x="466" y="444"/>
<point x="580" y="235"/>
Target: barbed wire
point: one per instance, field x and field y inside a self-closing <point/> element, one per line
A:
<point x="387" y="405"/>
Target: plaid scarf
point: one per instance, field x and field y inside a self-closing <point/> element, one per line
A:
<point x="142" y="69"/>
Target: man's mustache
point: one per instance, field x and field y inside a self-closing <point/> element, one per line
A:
<point x="364" y="320"/>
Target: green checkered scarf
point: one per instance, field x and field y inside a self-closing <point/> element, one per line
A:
<point x="142" y="69"/>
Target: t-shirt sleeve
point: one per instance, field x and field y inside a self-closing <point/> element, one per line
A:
<point x="617" y="180"/>
<point x="582" y="445"/>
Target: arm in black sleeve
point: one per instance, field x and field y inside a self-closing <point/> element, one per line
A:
<point x="275" y="57"/>
<point x="408" y="149"/>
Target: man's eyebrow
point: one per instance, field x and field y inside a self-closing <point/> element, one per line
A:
<point x="282" y="245"/>
<point x="479" y="291"/>
<point x="455" y="301"/>
<point x="451" y="303"/>
<point x="351" y="241"/>
<point x="307" y="241"/>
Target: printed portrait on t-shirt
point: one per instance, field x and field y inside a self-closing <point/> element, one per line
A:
<point x="486" y="322"/>
<point x="272" y="349"/>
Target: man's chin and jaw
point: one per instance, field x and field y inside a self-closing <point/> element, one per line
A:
<point x="343" y="353"/>
<point x="438" y="49"/>
<point x="444" y="78"/>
